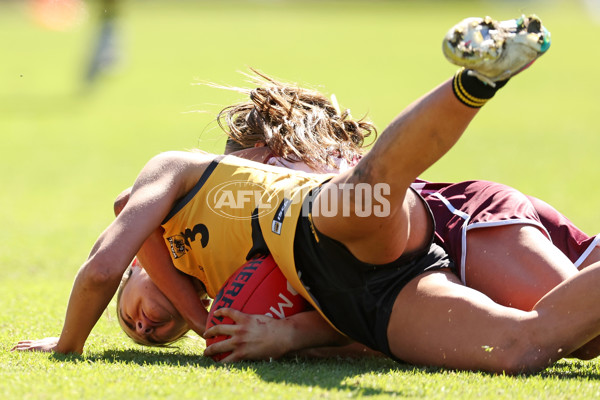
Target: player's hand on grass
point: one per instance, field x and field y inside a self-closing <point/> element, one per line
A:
<point x="253" y="337"/>
<point x="46" y="345"/>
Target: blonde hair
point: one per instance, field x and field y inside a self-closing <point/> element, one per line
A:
<point x="296" y="124"/>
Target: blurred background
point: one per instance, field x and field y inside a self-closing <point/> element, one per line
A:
<point x="90" y="90"/>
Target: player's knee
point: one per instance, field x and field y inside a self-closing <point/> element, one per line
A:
<point x="520" y="355"/>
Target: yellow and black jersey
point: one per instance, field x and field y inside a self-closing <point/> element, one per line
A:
<point x="238" y="208"/>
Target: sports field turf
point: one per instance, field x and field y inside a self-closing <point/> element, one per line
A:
<point x="67" y="151"/>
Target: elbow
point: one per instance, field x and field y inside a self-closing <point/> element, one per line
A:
<point x="97" y="273"/>
<point x="121" y="201"/>
<point x="93" y="275"/>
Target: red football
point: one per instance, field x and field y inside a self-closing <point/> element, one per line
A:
<point x="257" y="287"/>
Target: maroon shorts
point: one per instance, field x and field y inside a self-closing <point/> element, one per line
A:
<point x="460" y="207"/>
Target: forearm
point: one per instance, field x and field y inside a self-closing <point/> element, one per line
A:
<point x="258" y="337"/>
<point x="308" y="330"/>
<point x="313" y="337"/>
<point x="353" y="350"/>
<point x="88" y="300"/>
<point x="98" y="279"/>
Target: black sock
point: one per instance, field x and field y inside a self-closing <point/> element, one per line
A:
<point x="471" y="91"/>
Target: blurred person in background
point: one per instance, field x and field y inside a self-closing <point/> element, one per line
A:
<point x="105" y="49"/>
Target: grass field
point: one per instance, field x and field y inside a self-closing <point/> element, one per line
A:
<point x="67" y="151"/>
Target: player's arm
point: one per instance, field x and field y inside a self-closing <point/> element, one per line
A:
<point x="176" y="286"/>
<point x="255" y="337"/>
<point x="353" y="350"/>
<point x="153" y="195"/>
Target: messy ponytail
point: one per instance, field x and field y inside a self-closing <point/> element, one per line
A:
<point x="297" y="124"/>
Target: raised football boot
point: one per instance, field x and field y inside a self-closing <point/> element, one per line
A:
<point x="493" y="50"/>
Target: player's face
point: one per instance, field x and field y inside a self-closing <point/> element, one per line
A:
<point x="145" y="314"/>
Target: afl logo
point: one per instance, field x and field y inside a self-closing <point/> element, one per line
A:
<point x="238" y="199"/>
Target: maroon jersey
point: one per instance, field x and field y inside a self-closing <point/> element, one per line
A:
<point x="460" y="207"/>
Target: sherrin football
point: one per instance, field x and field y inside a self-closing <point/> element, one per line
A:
<point x="257" y="287"/>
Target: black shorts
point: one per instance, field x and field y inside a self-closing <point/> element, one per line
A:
<point x="357" y="297"/>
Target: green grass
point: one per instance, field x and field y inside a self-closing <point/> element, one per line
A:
<point x="66" y="153"/>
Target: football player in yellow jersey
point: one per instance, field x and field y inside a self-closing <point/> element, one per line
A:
<point x="340" y="243"/>
<point x="411" y="143"/>
<point x="577" y="248"/>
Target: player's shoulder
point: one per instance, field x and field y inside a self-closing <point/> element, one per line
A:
<point x="175" y="158"/>
<point x="176" y="168"/>
<point x="178" y="162"/>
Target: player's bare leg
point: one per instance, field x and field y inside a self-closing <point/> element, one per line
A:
<point x="409" y="145"/>
<point x="438" y="321"/>
<point x="515" y="265"/>
<point x="594" y="257"/>
<point x="415" y="140"/>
